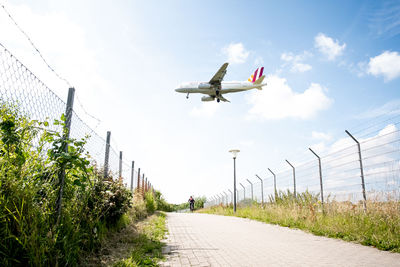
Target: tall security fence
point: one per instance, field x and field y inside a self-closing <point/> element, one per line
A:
<point x="22" y="88"/>
<point x="363" y="165"/>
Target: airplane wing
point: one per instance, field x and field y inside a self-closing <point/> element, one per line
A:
<point x="219" y="76"/>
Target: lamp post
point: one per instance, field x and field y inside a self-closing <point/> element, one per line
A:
<point x="234" y="153"/>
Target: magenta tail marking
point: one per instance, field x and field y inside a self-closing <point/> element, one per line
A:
<point x="255" y="76"/>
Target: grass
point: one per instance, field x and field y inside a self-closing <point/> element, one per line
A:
<point x="147" y="244"/>
<point x="379" y="227"/>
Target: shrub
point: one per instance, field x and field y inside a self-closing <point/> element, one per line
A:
<point x="31" y="230"/>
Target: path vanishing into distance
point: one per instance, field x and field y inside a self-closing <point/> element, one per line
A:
<point x="211" y="240"/>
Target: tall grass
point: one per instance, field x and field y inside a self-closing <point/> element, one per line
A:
<point x="31" y="231"/>
<point x="379" y="227"/>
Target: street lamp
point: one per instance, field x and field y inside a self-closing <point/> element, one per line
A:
<point x="234" y="153"/>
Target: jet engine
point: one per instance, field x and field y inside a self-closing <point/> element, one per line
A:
<point x="207" y="98"/>
<point x="204" y="86"/>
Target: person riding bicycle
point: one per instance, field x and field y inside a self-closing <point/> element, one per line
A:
<point x="191" y="202"/>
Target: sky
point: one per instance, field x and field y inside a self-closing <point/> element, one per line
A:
<point x="329" y="65"/>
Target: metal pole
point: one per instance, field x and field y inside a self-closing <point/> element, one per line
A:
<point x="132" y="173"/>
<point x="274" y="182"/>
<point x="231" y="195"/>
<point x="67" y="130"/>
<point x="320" y="177"/>
<point x="294" y="179"/>
<point x="262" y="189"/>
<point x="138" y="180"/>
<point x="362" y="171"/>
<point x="143" y="183"/>
<point x="251" y="184"/>
<point x="226" y="198"/>
<point x="107" y="156"/>
<point x="234" y="184"/>
<point x="120" y="165"/>
<point x="244" y="191"/>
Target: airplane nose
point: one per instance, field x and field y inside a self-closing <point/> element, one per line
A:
<point x="178" y="90"/>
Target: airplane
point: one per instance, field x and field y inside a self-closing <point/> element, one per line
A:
<point x="215" y="88"/>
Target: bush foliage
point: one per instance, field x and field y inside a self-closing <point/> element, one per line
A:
<point x="33" y="160"/>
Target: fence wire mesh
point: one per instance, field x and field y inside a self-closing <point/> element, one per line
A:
<point x="341" y="170"/>
<point x="24" y="90"/>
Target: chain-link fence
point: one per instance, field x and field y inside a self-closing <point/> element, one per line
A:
<point x="23" y="89"/>
<point x="354" y="168"/>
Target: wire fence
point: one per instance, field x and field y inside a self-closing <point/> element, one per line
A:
<point x="23" y="89"/>
<point x="367" y="163"/>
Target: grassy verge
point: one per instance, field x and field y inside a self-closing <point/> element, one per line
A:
<point x="146" y="244"/>
<point x="379" y="227"/>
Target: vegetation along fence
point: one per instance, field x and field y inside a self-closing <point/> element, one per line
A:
<point x="20" y="87"/>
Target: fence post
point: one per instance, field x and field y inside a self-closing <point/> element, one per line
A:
<point x="142" y="184"/>
<point x="226" y="197"/>
<point x="132" y="174"/>
<point x="231" y="196"/>
<point x="120" y="165"/>
<point x="362" y="171"/>
<point x="275" y="192"/>
<point x="107" y="156"/>
<point x="138" y="181"/>
<point x="61" y="176"/>
<point x="320" y="177"/>
<point x="251" y="184"/>
<point x="244" y="191"/>
<point x="262" y="190"/>
<point x="294" y="179"/>
<point x="223" y="199"/>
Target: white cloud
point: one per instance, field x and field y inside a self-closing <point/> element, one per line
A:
<point x="236" y="53"/>
<point x="207" y="109"/>
<point x="295" y="61"/>
<point x="386" y="64"/>
<point x="278" y="101"/>
<point x="321" y="136"/>
<point x="329" y="47"/>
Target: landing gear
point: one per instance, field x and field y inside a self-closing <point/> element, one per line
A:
<point x="187" y="96"/>
<point x="218" y="100"/>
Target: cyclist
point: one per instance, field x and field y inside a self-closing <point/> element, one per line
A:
<point x="191" y="201"/>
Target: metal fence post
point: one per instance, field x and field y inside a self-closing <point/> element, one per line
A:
<point x="120" y="165"/>
<point x="226" y="198"/>
<point x="231" y="196"/>
<point x="244" y="191"/>
<point x="251" y="184"/>
<point x="61" y="176"/>
<point x="294" y="179"/>
<point x="362" y="171"/>
<point x="275" y="192"/>
<point x="138" y="181"/>
<point x="223" y="199"/>
<point x="320" y="177"/>
<point x="107" y="156"/>
<point x="143" y="184"/>
<point x="262" y="190"/>
<point x="132" y="174"/>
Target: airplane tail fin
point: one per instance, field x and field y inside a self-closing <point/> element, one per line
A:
<point x="259" y="81"/>
<point x="257" y="74"/>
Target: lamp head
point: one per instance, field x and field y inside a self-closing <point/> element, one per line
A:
<point x="234" y="152"/>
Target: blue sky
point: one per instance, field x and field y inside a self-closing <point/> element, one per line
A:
<point x="328" y="63"/>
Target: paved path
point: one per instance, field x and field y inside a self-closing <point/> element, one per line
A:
<point x="211" y="240"/>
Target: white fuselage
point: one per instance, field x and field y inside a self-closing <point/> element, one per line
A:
<point x="226" y="87"/>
